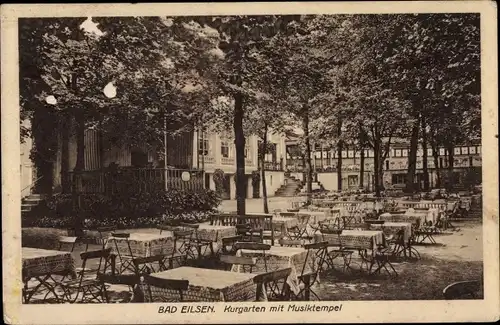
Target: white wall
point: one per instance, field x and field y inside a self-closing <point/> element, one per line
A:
<point x="328" y="180"/>
<point x="274" y="180"/>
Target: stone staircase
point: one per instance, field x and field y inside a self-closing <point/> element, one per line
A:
<point x="291" y="187"/>
<point x="30" y="201"/>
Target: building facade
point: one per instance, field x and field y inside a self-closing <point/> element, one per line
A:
<point x="467" y="160"/>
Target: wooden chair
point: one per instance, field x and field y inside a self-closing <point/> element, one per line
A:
<point x="182" y="247"/>
<point x="309" y="277"/>
<point x="291" y="243"/>
<point x="246" y="263"/>
<point x="299" y="232"/>
<point x="338" y="250"/>
<point x="86" y="282"/>
<point x="105" y="232"/>
<point x="201" y="246"/>
<point x="130" y="280"/>
<point x="146" y="265"/>
<point x="273" y="284"/>
<point x="126" y="258"/>
<point x="157" y="284"/>
<point x="259" y="247"/>
<point x="462" y="290"/>
<point x="67" y="240"/>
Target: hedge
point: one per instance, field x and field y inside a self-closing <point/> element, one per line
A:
<point x="125" y="211"/>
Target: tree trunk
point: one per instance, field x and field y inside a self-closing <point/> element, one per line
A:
<point x="451" y="156"/>
<point x="435" y="155"/>
<point x="65" y="177"/>
<point x="339" y="156"/>
<point x="262" y="156"/>
<point x="80" y="139"/>
<point x="425" y="168"/>
<point x="412" y="159"/>
<point x="305" y="126"/>
<point x="239" y="142"/>
<point x="362" y="169"/>
<point x="376" y="163"/>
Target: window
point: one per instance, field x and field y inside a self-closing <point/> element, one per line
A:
<point x="350" y="153"/>
<point x="464" y="150"/>
<point x="441" y="152"/>
<point x="387" y="164"/>
<point x="203" y="144"/>
<point x="247" y="150"/>
<point x="344" y="154"/>
<point x="429" y="152"/>
<point x="457" y="151"/>
<point x="478" y="150"/>
<point x="404" y="152"/>
<point x="472" y="150"/>
<point x="398" y="152"/>
<point x="367" y="153"/>
<point x="398" y="178"/>
<point x="224" y="148"/>
<point x="440" y="162"/>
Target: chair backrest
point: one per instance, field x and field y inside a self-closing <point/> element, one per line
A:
<point x="272" y="276"/>
<point x="120" y="235"/>
<point x="288" y="214"/>
<point x="183" y="234"/>
<point x="252" y="246"/>
<point x="462" y="290"/>
<point x="125" y="279"/>
<point x="321" y="249"/>
<point x="102" y="253"/>
<point x="291" y="243"/>
<point x="147" y="261"/>
<point x="90" y="255"/>
<point x="167" y="284"/>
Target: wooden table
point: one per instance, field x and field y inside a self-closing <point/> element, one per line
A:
<point x="141" y="245"/>
<point x="205" y="285"/>
<point x="41" y="265"/>
<point x="278" y="258"/>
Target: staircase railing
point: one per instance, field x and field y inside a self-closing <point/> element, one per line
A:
<point x="29" y="187"/>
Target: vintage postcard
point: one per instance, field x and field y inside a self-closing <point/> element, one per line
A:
<point x="250" y="163"/>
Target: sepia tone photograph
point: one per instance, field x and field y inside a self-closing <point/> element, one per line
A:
<point x="259" y="158"/>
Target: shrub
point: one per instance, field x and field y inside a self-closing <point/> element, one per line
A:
<point x="126" y="211"/>
<point x="41" y="237"/>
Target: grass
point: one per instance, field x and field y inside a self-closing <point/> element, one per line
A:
<point x="421" y="280"/>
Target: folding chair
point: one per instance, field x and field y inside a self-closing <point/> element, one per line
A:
<point x="299" y="231"/>
<point x="67" y="240"/>
<point x="262" y="248"/>
<point x="338" y="251"/>
<point x="274" y="285"/>
<point x="382" y="258"/>
<point x="87" y="283"/>
<point x="130" y="280"/>
<point x="201" y="246"/>
<point x="246" y="263"/>
<point x="182" y="247"/>
<point x="146" y="265"/>
<point x="105" y="232"/>
<point x="308" y="278"/>
<point x="162" y="287"/>
<point x="126" y="259"/>
<point x="291" y="243"/>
